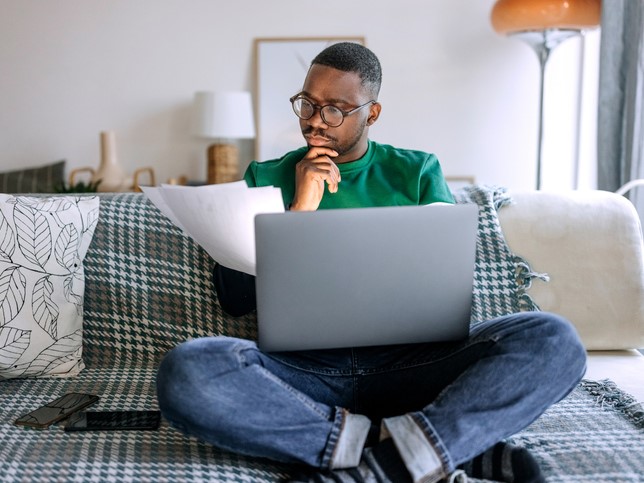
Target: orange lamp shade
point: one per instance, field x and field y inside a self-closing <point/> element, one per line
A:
<point x="510" y="16"/>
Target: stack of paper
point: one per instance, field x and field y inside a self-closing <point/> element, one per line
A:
<point x="219" y="217"/>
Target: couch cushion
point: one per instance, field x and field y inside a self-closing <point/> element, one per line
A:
<point x="43" y="242"/>
<point x="590" y="245"/>
<point x="164" y="455"/>
<point x="43" y="179"/>
<point x="559" y="439"/>
<point x="148" y="285"/>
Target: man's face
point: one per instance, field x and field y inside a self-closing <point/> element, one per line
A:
<point x="325" y="85"/>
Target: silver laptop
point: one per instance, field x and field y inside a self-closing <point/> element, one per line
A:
<point x="364" y="276"/>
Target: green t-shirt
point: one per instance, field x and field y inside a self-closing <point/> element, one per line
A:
<point x="384" y="176"/>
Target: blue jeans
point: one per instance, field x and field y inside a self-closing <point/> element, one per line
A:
<point x="443" y="403"/>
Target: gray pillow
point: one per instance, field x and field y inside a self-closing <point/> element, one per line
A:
<point x="44" y="179"/>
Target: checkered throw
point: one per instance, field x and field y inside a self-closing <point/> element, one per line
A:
<point x="501" y="279"/>
<point x="148" y="288"/>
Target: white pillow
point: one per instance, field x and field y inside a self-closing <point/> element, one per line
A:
<point x="43" y="242"/>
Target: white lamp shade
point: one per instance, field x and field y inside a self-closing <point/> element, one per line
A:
<point x="225" y="115"/>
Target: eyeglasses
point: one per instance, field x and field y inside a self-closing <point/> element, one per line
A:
<point x="331" y="115"/>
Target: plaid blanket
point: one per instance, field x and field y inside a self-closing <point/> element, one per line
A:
<point x="148" y="288"/>
<point x="596" y="434"/>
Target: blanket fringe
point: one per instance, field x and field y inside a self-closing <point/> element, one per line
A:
<point x="610" y="396"/>
<point x="524" y="277"/>
<point x="501" y="198"/>
<point x="491" y="199"/>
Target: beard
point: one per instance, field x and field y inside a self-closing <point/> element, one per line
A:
<point x="350" y="141"/>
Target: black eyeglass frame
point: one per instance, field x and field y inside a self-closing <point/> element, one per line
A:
<point x="315" y="107"/>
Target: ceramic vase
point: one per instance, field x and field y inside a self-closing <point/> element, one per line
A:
<point x="110" y="172"/>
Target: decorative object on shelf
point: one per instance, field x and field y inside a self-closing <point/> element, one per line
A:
<point x="223" y="116"/>
<point x="136" y="183"/>
<point x="179" y="180"/>
<point x="78" y="187"/>
<point x="543" y="25"/>
<point x="110" y="171"/>
<point x="110" y="176"/>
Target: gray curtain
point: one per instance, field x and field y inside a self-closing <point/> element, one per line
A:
<point x="620" y="137"/>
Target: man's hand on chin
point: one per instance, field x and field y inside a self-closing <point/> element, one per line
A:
<point x="315" y="169"/>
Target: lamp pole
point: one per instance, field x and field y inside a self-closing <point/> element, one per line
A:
<point x="544" y="24"/>
<point x="543" y="42"/>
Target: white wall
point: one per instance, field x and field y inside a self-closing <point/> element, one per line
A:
<point x="72" y="68"/>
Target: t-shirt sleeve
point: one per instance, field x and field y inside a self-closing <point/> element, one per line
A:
<point x="433" y="187"/>
<point x="250" y="176"/>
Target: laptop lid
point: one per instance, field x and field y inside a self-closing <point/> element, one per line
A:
<point x="364" y="276"/>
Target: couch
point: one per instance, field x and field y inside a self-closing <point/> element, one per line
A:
<point x="590" y="244"/>
<point x="148" y="288"/>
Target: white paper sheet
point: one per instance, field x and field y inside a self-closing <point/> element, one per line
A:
<point x="219" y="217"/>
<point x="155" y="196"/>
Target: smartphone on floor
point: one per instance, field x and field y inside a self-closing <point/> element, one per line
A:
<point x="56" y="410"/>
<point x="113" y="420"/>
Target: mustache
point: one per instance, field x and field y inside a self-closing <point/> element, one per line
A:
<point x="317" y="132"/>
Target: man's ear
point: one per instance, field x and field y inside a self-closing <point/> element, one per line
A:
<point x="374" y="113"/>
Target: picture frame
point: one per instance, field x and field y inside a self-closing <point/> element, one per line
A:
<point x="281" y="65"/>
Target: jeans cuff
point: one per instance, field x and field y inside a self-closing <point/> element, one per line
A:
<point x="348" y="449"/>
<point x="421" y="452"/>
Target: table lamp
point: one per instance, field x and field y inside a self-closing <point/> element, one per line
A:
<point x="223" y="116"/>
<point x="544" y="24"/>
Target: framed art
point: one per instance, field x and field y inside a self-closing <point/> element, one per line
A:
<point x="281" y="65"/>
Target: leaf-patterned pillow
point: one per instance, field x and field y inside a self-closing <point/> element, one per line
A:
<point x="43" y="241"/>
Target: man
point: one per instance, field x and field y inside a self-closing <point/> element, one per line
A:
<point x="420" y="412"/>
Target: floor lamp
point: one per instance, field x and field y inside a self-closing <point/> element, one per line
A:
<point x="543" y="25"/>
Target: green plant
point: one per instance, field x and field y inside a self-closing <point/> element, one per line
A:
<point x="80" y="187"/>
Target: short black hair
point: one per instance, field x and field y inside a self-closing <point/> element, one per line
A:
<point x="353" y="57"/>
